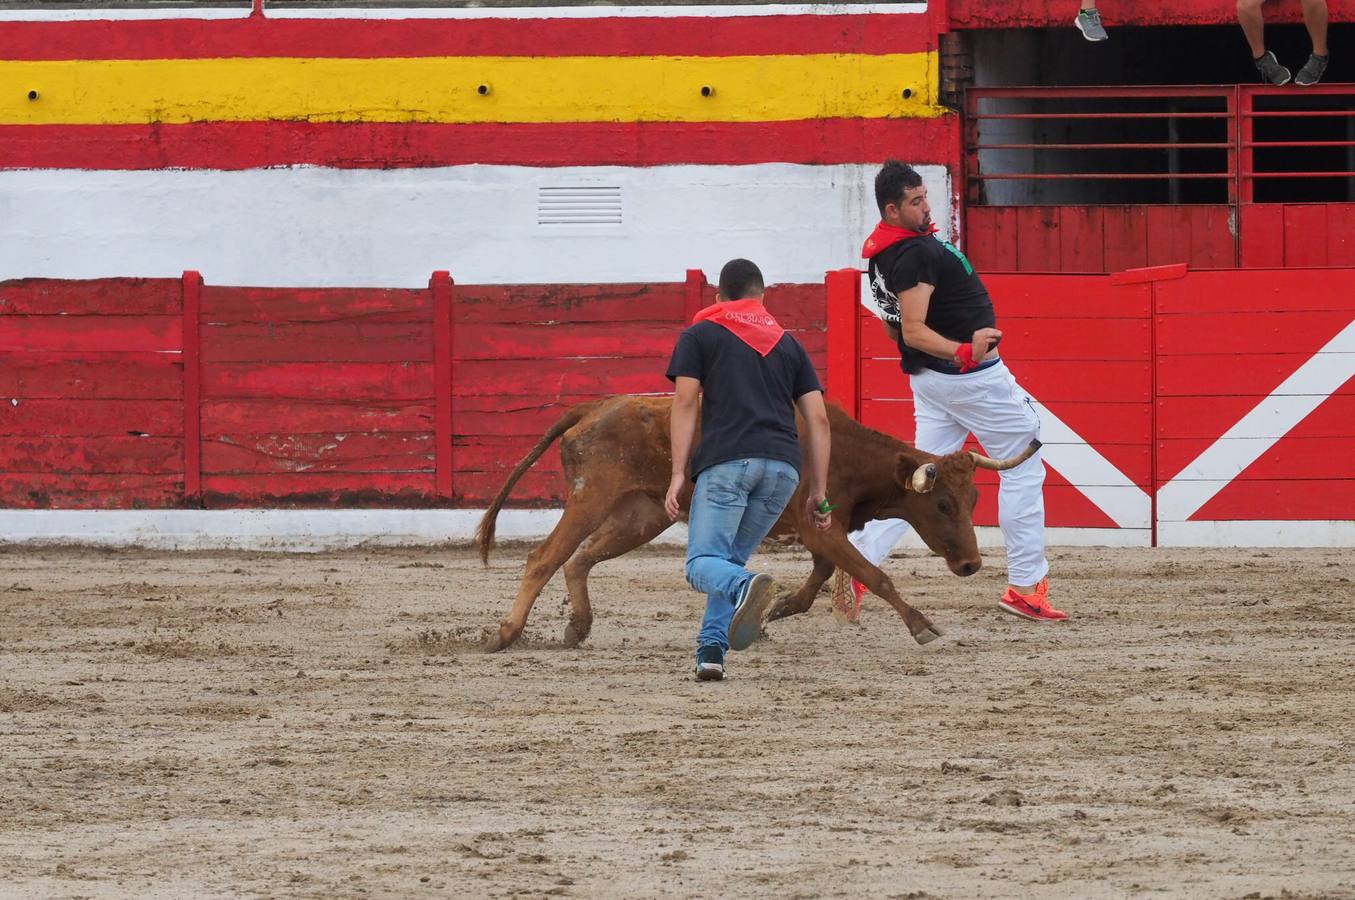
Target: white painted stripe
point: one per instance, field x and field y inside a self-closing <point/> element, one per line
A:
<point x="88" y="14"/>
<point x="598" y="12"/>
<point x="310" y="226"/>
<point x="1310" y="533"/>
<point x="1288" y="405"/>
<point x="1127" y="504"/>
<point x="316" y="530"/>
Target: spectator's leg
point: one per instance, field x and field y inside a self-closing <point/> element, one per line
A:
<point x="1254" y="26"/>
<point x="1315" y="18"/>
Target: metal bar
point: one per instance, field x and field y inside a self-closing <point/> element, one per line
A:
<point x="1299" y="143"/>
<point x="1302" y="113"/>
<point x="1299" y="174"/>
<point x="1108" y="115"/>
<point x="1113" y="176"/>
<point x="1149" y="92"/>
<point x="1165" y="145"/>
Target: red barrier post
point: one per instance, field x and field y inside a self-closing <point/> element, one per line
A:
<point x="191" y="345"/>
<point x="695" y="299"/>
<point x="844" y="338"/>
<point x="440" y="285"/>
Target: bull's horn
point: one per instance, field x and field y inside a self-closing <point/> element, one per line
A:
<point x="1001" y="465"/>
<point x="924" y="478"/>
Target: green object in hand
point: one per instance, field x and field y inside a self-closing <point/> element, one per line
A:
<point x="825" y="507"/>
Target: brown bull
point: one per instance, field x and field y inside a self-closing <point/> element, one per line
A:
<point x="617" y="464"/>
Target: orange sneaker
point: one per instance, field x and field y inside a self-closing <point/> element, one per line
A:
<point x="845" y="610"/>
<point x="1032" y="606"/>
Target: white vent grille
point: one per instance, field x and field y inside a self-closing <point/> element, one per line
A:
<point x="583" y="205"/>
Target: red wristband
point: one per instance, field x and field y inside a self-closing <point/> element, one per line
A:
<point x="964" y="354"/>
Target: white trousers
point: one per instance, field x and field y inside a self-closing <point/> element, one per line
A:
<point x="1000" y="414"/>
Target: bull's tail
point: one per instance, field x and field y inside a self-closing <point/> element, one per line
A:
<point x="484" y="534"/>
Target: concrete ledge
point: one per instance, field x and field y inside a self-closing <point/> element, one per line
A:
<point x="318" y="530"/>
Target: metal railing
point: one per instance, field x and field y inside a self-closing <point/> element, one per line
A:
<point x="1189" y="144"/>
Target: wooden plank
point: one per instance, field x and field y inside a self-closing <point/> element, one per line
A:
<point x="320" y="489"/>
<point x="100" y="454"/>
<point x="1195" y="417"/>
<point x="798" y="307"/>
<point x="344" y="382"/>
<point x="540" y="303"/>
<point x="694" y="295"/>
<point x="1304" y="235"/>
<point x="98" y="296"/>
<point x="1109" y="381"/>
<point x="564" y="340"/>
<point x="1341" y="234"/>
<point x="844" y="338"/>
<point x="84" y="491"/>
<point x="342" y="452"/>
<point x="1262" y="240"/>
<point x="88" y="334"/>
<point x="271" y="306"/>
<point x="220" y="417"/>
<point x="556" y="378"/>
<point x="156" y="418"/>
<point x="351" y="341"/>
<point x="990" y="238"/>
<point x="1126" y="237"/>
<point x="1290" y="458"/>
<point x="481" y="453"/>
<point x="440" y="286"/>
<point x="536" y="489"/>
<point x="1229" y="375"/>
<point x="1037" y="238"/>
<point x="1270" y="291"/>
<point x="1082" y="239"/>
<point x="1212" y="245"/>
<point x="1058" y="296"/>
<point x="192" y="386"/>
<point x="1036" y="339"/>
<point x="1247" y="332"/>
<point x="526" y="415"/>
<point x="123" y="376"/>
<point x="1167" y="229"/>
<point x="1289" y="499"/>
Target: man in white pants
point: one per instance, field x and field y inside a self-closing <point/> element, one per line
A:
<point x="936" y="309"/>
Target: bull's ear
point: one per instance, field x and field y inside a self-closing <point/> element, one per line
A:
<point x="915" y="476"/>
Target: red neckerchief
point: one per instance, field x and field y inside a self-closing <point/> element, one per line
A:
<point x="748" y="319"/>
<point x="885" y="236"/>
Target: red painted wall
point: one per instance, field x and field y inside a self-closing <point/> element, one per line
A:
<point x="326" y="397"/>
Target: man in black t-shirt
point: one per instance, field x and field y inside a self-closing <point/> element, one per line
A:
<point x="747" y="377"/>
<point x="936" y="309"/>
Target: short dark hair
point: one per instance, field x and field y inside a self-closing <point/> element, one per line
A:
<point x="894" y="178"/>
<point x="740" y="279"/>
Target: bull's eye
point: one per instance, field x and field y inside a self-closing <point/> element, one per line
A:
<point x="944" y="507"/>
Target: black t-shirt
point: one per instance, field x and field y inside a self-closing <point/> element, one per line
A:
<point x="959" y="306"/>
<point x="748" y="402"/>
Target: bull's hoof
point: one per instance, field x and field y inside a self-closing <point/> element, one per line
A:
<point x="928" y="634"/>
<point x="494" y="641"/>
<point x="576" y="634"/>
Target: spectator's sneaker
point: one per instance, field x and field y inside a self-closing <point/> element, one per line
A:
<point x="1088" y="22"/>
<point x="1312" y="70"/>
<point x="1031" y="606"/>
<point x="710" y="663"/>
<point x="1271" y="70"/>
<point x="751" y="611"/>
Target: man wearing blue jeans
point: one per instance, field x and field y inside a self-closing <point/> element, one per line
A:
<point x="746" y="376"/>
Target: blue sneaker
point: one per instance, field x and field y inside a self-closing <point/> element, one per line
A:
<point x="751" y="611"/>
<point x="710" y="663"/>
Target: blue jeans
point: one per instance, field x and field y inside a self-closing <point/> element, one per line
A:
<point x="734" y="505"/>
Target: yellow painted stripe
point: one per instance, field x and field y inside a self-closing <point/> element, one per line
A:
<point x="444" y="89"/>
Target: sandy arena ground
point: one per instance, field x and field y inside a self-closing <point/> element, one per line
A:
<point x="181" y="725"/>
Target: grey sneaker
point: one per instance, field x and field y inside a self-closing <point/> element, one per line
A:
<point x="751" y="611"/>
<point x="1088" y="22"/>
<point x="1271" y="70"/>
<point x="710" y="663"/>
<point x="1312" y="70"/>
